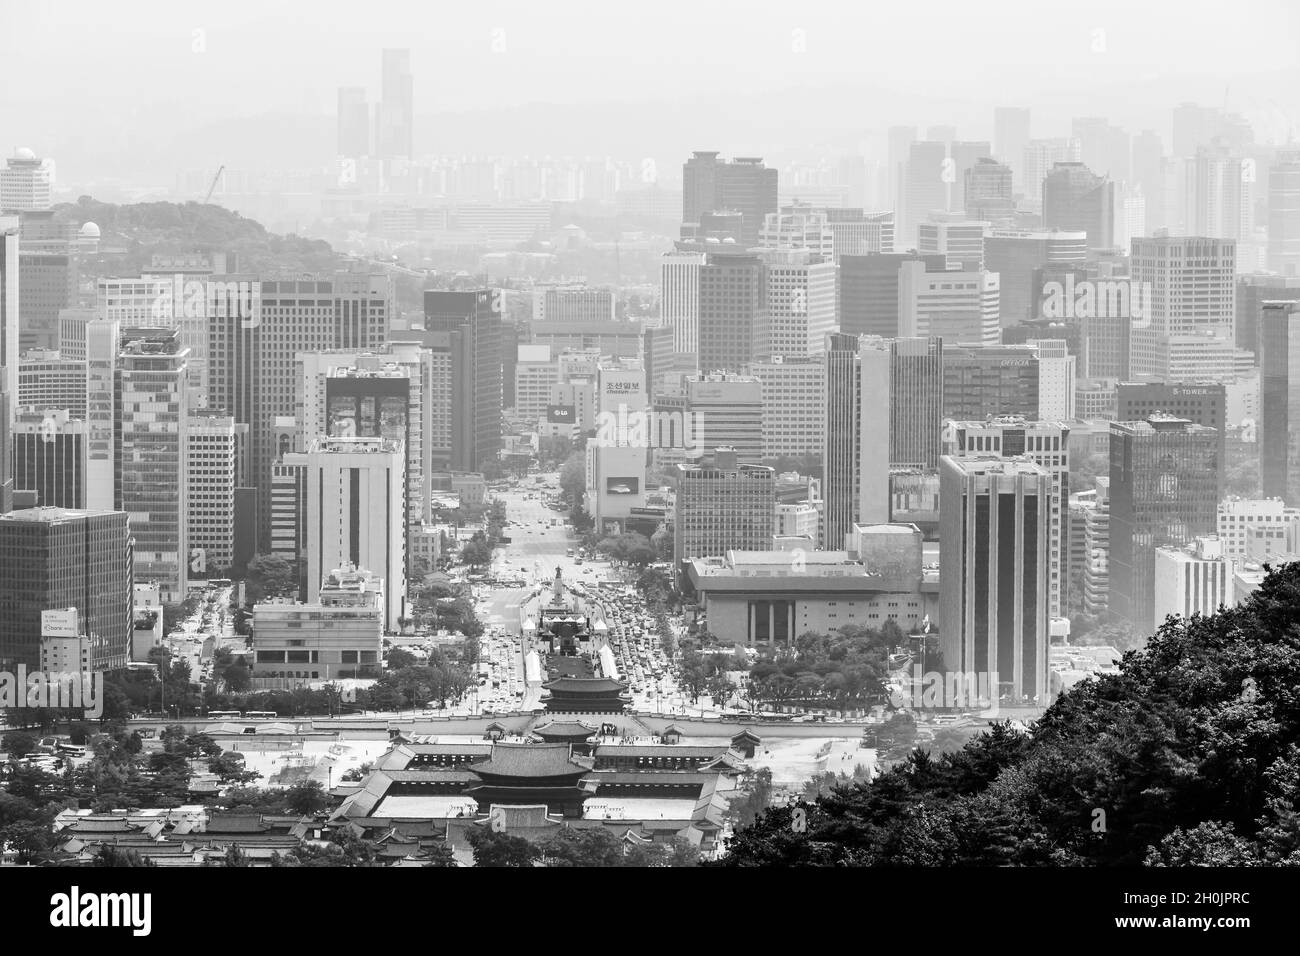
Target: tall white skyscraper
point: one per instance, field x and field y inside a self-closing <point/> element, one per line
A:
<point x="26" y="183"/>
<point x="800" y="302"/>
<point x="353" y="513"/>
<point x="679" y="298"/>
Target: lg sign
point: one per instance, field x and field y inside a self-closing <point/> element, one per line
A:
<point x="559" y="414"/>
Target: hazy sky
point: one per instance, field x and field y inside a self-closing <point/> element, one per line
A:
<point x="74" y="69"/>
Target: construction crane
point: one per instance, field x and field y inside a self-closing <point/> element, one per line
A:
<point x="213" y="187"/>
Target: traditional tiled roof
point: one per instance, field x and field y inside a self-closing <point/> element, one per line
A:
<point x="578" y="729"/>
<point x="659" y="750"/>
<point x="586" y="685"/>
<point x="531" y="760"/>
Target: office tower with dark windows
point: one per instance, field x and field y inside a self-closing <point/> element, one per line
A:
<point x="353" y="139"/>
<point x="6" y="462"/>
<point x="1279" y="401"/>
<point x="915" y="403"/>
<point x="980" y="382"/>
<point x="867" y="292"/>
<point x="742" y="185"/>
<point x="965" y="156"/>
<point x="1252" y="292"/>
<point x="1047" y="444"/>
<point x="1284" y="214"/>
<point x="723" y="505"/>
<point x="49" y="457"/>
<point x="9" y="312"/>
<point x="1010" y="137"/>
<point x="1201" y="403"/>
<point x="47" y="285"/>
<point x="151" y="439"/>
<point x="61" y="558"/>
<point x="1165" y="481"/>
<point x="471" y="322"/>
<point x="1016" y="255"/>
<point x="1077" y="200"/>
<point x="733" y="320"/>
<point x="855" y="462"/>
<point x="46" y="380"/>
<point x="254" y="338"/>
<point x="1040" y="156"/>
<point x="395" y="116"/>
<point x="994" y="538"/>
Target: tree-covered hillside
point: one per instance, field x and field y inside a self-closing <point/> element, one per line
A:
<point x="146" y="229"/>
<point x="1189" y="756"/>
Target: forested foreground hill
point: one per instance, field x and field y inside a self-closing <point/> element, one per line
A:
<point x="1189" y="756"/>
<point x="145" y="229"/>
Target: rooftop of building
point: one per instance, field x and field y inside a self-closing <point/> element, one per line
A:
<point x="978" y="464"/>
<point x="50" y="514"/>
<point x="355" y="445"/>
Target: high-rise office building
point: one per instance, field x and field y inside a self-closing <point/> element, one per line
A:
<point x="252" y="371"/>
<point x="959" y="241"/>
<point x="213" y="450"/>
<point x="26" y="183"/>
<point x="1010" y="137"/>
<point x="1102" y="147"/>
<point x="1040" y="156"/>
<point x="47" y="285"/>
<point x="61" y="558"/>
<point x="573" y="304"/>
<point x="965" y="156"/>
<point x="855" y="462"/>
<point x="723" y="505"/>
<point x="915" y="402"/>
<point x="793" y="396"/>
<point x="1152" y="172"/>
<point x="799" y="226"/>
<point x="395" y="116"/>
<point x="1187" y="284"/>
<point x="800" y="302"/>
<point x="1165" y="478"/>
<point x="727" y="412"/>
<point x="1284" y="214"/>
<point x="473" y="324"/>
<point x="1219" y="195"/>
<point x="102" y="341"/>
<point x="1192" y="579"/>
<point x="151" y="439"/>
<point x="1076" y="199"/>
<point x="1015" y="255"/>
<point x="9" y="312"/>
<point x="960" y="307"/>
<point x="48" y="381"/>
<point x="733" y="323"/>
<point x="927" y="176"/>
<point x="981" y="382"/>
<point x="994" y="536"/>
<point x="743" y="185"/>
<point x="867" y="292"/>
<point x="988" y="194"/>
<point x="1252" y="292"/>
<point x="856" y="232"/>
<point x="352" y="513"/>
<point x="353" y="138"/>
<point x="1047" y="444"/>
<point x="1279" y="401"/>
<point x="679" y="299"/>
<point x="49" y="457"/>
<point x="1201" y="403"/>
